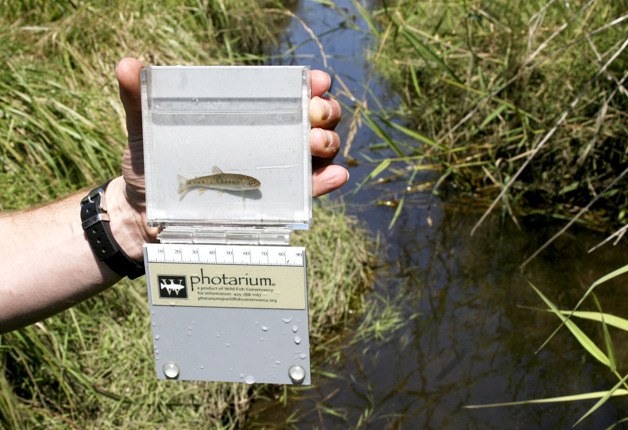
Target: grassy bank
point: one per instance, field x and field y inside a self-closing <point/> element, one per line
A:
<point x="520" y="103"/>
<point x="92" y="366"/>
<point x="61" y="122"/>
<point x="61" y="128"/>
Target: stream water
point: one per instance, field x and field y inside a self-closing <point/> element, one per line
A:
<point x="466" y="335"/>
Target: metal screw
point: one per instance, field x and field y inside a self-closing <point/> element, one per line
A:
<point x="297" y="374"/>
<point x="171" y="370"/>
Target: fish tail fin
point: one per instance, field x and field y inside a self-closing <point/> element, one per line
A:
<point x="183" y="184"/>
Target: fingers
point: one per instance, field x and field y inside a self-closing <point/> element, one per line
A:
<point x="327" y="179"/>
<point x="324" y="143"/>
<point x="324" y="112"/>
<point x="324" y="116"/>
<point x="128" y="73"/>
<point x="320" y="82"/>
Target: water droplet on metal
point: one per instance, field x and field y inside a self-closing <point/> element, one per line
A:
<point x="297" y="374"/>
<point x="156" y="337"/>
<point x="297" y="339"/>
<point x="277" y="362"/>
<point x="202" y="367"/>
<point x="249" y="379"/>
<point x="287" y="320"/>
<point x="171" y="370"/>
<point x="303" y="356"/>
<point x="265" y="328"/>
<point x="295" y="328"/>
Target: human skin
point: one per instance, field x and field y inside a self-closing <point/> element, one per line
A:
<point x="47" y="264"/>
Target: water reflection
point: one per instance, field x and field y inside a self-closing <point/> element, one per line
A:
<point x="466" y="339"/>
<point x="472" y="342"/>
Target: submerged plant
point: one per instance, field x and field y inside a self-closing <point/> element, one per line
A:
<point x="606" y="358"/>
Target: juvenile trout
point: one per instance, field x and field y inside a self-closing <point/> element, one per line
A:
<point x="219" y="180"/>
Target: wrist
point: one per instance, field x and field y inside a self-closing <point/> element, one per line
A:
<point x="128" y="224"/>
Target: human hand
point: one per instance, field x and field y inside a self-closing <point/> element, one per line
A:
<point x="324" y="142"/>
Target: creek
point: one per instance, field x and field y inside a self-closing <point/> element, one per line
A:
<point x="463" y="330"/>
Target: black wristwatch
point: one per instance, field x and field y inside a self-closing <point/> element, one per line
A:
<point x="96" y="226"/>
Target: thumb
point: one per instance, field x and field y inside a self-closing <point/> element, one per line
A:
<point x="128" y="74"/>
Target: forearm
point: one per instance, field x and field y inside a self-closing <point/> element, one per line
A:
<point x="47" y="264"/>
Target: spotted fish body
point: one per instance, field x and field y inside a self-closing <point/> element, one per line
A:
<point x="219" y="181"/>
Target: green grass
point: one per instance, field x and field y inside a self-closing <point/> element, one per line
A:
<point x="61" y="129"/>
<point x="605" y="355"/>
<point x="92" y="366"/>
<point x="518" y="103"/>
<point x="521" y="105"/>
<point x="61" y="123"/>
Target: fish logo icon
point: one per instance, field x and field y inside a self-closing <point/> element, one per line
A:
<point x="172" y="287"/>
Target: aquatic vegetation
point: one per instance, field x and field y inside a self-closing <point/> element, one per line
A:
<point x="521" y="104"/>
<point x="606" y="358"/>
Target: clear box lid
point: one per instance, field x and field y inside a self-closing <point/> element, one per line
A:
<point x="227" y="146"/>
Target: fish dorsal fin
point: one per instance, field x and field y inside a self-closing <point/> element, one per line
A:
<point x="216" y="170"/>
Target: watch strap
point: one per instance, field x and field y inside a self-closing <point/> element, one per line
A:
<point x="95" y="220"/>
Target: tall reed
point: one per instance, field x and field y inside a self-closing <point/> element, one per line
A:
<point x="519" y="103"/>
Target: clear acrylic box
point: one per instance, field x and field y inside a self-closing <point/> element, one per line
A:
<point x="226" y="146"/>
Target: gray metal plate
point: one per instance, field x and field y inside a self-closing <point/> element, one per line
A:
<point x="229" y="344"/>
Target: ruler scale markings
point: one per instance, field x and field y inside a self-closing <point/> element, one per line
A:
<point x="189" y="254"/>
<point x="228" y="255"/>
<point x="156" y="254"/>
<point x="294" y="257"/>
<point x="224" y="255"/>
<point x="242" y="255"/>
<point x="207" y="255"/>
<point x="256" y="256"/>
<point x="172" y="254"/>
